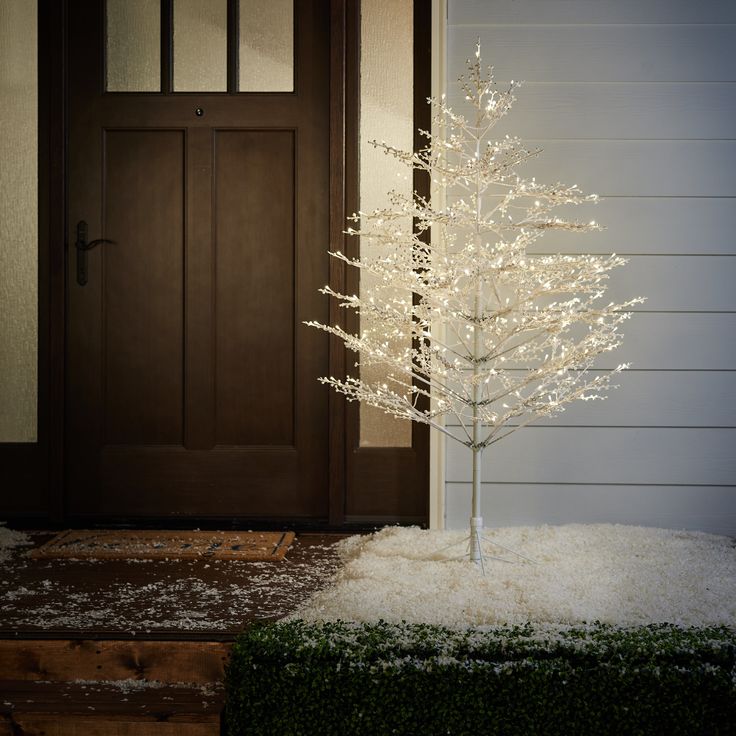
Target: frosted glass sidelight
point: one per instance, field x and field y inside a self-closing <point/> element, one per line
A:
<point x="18" y="220"/>
<point x="133" y="46"/>
<point x="386" y="113"/>
<point x="266" y="46"/>
<point x="200" y="45"/>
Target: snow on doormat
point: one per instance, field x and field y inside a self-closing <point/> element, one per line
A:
<point x="616" y="574"/>
<point x="9" y="540"/>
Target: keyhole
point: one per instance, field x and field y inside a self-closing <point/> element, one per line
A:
<point x="199" y="112"/>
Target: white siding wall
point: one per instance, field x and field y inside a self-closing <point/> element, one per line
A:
<point x="634" y="100"/>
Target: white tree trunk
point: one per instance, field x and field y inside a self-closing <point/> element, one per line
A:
<point x="476" y="520"/>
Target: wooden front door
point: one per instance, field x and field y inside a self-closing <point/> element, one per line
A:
<point x="191" y="386"/>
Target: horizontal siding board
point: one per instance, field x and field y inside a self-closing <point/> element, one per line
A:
<point x="599" y="53"/>
<point x="638" y="168"/>
<point x="635" y="168"/>
<point x="707" y="508"/>
<point x="657" y="399"/>
<point x="677" y="342"/>
<point x="648" y="226"/>
<point x="661" y="341"/>
<point x="476" y="12"/>
<point x="638" y="456"/>
<point x="677" y="283"/>
<point x="673" y="341"/>
<point x="618" y="111"/>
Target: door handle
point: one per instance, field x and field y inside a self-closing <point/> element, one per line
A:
<point x="83" y="247"/>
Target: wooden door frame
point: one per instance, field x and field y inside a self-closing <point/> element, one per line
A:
<point x="360" y="475"/>
<point x="342" y="127"/>
<point x="35" y="472"/>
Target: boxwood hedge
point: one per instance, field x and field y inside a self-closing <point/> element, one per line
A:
<point x="343" y="678"/>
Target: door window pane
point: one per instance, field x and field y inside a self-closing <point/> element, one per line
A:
<point x="266" y="46"/>
<point x="386" y="113"/>
<point x="133" y="45"/>
<point x="18" y="220"/>
<point x="200" y="45"/>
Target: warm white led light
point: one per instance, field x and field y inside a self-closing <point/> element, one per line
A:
<point x="522" y="331"/>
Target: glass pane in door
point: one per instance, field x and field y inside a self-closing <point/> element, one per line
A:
<point x="266" y="46"/>
<point x="133" y="46"/>
<point x="200" y="45"/>
<point x="18" y="220"/>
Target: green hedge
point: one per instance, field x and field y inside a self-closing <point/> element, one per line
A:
<point x="349" y="679"/>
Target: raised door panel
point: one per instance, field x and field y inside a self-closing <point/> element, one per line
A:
<point x="142" y="295"/>
<point x="254" y="242"/>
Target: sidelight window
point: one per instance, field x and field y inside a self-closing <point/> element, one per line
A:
<point x="18" y="220"/>
<point x="386" y="113"/>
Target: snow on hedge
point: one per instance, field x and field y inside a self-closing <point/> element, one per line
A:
<point x="623" y="575"/>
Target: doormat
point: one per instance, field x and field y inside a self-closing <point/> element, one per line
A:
<point x="108" y="544"/>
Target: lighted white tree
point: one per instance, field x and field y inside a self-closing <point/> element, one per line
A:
<point x="496" y="337"/>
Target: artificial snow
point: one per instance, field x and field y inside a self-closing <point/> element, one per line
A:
<point x="9" y="540"/>
<point x="615" y="574"/>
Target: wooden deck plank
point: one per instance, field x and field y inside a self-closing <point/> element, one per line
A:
<point x="100" y="709"/>
<point x="65" y="660"/>
<point x="33" y="725"/>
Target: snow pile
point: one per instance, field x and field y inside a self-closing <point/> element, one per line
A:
<point x="622" y="575"/>
<point x="9" y="540"/>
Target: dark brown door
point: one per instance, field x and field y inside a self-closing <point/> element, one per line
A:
<point x="191" y="381"/>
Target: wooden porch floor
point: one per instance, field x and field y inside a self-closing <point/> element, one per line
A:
<point x="210" y="600"/>
<point x="119" y="647"/>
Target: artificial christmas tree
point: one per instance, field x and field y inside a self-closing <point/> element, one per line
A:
<point x="495" y="336"/>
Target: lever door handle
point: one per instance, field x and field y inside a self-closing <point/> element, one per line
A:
<point x="83" y="247"/>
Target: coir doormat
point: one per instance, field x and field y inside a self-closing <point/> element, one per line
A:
<point x="106" y="544"/>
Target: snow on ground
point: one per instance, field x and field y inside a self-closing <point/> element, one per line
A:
<point x="9" y="540"/>
<point x="622" y="575"/>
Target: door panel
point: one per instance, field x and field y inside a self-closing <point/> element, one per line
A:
<point x="255" y="287"/>
<point x="222" y="482"/>
<point x="142" y="287"/>
<point x="191" y="381"/>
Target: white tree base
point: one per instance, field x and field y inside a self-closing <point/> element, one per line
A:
<point x="474" y="548"/>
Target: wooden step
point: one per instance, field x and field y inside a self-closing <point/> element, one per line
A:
<point x="38" y="708"/>
<point x="85" y="659"/>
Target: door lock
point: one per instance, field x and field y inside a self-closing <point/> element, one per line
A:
<point x="83" y="247"/>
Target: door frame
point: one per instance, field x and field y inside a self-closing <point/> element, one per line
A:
<point x="36" y="471"/>
<point x="395" y="479"/>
